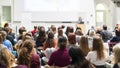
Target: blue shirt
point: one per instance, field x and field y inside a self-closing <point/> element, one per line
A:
<point x="8" y="44"/>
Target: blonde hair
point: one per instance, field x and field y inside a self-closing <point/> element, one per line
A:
<point x="92" y="33"/>
<point x="98" y="46"/>
<point x="6" y="57"/>
<point x="116" y="53"/>
<point x="84" y="45"/>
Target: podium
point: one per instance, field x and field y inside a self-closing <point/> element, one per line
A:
<point x="82" y="26"/>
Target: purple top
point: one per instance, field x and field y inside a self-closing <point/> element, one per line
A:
<point x="59" y="58"/>
<point x="35" y="61"/>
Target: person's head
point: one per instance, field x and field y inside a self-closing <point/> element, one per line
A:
<point x="104" y="27"/>
<point x="117" y="32"/>
<point x="53" y="28"/>
<point x="78" y="58"/>
<point x="76" y="54"/>
<point x="72" y="38"/>
<point x="29" y="44"/>
<point x="116" y="53"/>
<point x="50" y="40"/>
<point x="24" y="57"/>
<point x="98" y="47"/>
<point x="60" y="32"/>
<point x="35" y="27"/>
<point x="7" y="30"/>
<point x="42" y="32"/>
<point x="62" y="42"/>
<point x="21" y="30"/>
<point x="91" y="33"/>
<point x="6" y="57"/>
<point x="6" y="25"/>
<point x="4" y="34"/>
<point x="84" y="45"/>
<point x="78" y="32"/>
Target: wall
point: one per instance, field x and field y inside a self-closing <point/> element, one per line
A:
<point x="110" y="12"/>
<point x="118" y="14"/>
<point x="84" y="6"/>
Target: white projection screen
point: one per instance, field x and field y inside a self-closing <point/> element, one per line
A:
<point x="53" y="10"/>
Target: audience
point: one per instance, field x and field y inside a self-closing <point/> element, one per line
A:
<point x="78" y="51"/>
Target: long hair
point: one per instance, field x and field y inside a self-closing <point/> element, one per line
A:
<point x="1" y="39"/>
<point x="24" y="57"/>
<point x="78" y="58"/>
<point x="29" y="44"/>
<point x="62" y="42"/>
<point x="98" y="47"/>
<point x="116" y="53"/>
<point x="84" y="45"/>
<point x="6" y="57"/>
<point x="50" y="40"/>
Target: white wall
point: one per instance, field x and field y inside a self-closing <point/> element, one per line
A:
<point x="118" y="14"/>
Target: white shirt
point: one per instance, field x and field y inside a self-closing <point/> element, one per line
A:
<point x="92" y="57"/>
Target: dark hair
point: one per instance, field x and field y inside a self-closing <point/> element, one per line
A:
<point x="7" y="29"/>
<point x="72" y="38"/>
<point x="62" y="42"/>
<point x="21" y="30"/>
<point x="78" y="58"/>
<point x="50" y="40"/>
<point x="6" y="25"/>
<point x="117" y="32"/>
<point x="105" y="27"/>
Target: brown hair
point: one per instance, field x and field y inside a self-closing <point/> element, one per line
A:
<point x="6" y="57"/>
<point x="25" y="52"/>
<point x="24" y="57"/>
<point x="98" y="46"/>
<point x="72" y="38"/>
<point x="1" y="39"/>
<point x="116" y="53"/>
<point x="84" y="45"/>
<point x="50" y="41"/>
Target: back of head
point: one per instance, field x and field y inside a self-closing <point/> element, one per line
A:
<point x="76" y="54"/>
<point x="50" y="35"/>
<point x="21" y="30"/>
<point x="72" y="38"/>
<point x="29" y="44"/>
<point x="3" y="34"/>
<point x="24" y="57"/>
<point x="78" y="58"/>
<point x="91" y="33"/>
<point x="104" y="27"/>
<point x="6" y="57"/>
<point x="6" y="25"/>
<point x="62" y="42"/>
